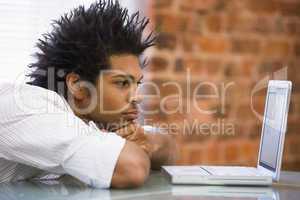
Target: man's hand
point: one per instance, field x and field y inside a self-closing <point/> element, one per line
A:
<point x="135" y="133"/>
<point x="161" y="148"/>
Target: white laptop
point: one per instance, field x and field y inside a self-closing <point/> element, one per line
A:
<point x="270" y="150"/>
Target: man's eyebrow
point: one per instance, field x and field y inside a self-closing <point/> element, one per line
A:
<point x="127" y="76"/>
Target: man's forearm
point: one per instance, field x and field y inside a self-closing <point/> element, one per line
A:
<point x="164" y="151"/>
<point x="161" y="148"/>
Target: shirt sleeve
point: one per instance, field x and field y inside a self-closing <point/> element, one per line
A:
<point x="58" y="142"/>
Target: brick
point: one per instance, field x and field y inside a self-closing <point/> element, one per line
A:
<point x="213" y="153"/>
<point x="296" y="87"/>
<point x="292" y="26"/>
<point x="248" y="67"/>
<point x="239" y="22"/>
<point x="268" y="24"/>
<point x="200" y="5"/>
<point x="289" y="8"/>
<point x="212" y="44"/>
<point x="233" y="5"/>
<point x="269" y="66"/>
<point x="195" y="24"/>
<point x="245" y="113"/>
<point x="198" y="88"/>
<point x="286" y="155"/>
<point x="293" y="70"/>
<point x="158" y="64"/>
<point x="172" y="106"/>
<point x="256" y="24"/>
<point x="170" y="23"/>
<point x="166" y="41"/>
<point x="213" y="66"/>
<point x="203" y="66"/>
<point x="293" y="146"/>
<point x="242" y="128"/>
<point x="188" y="43"/>
<point x="195" y="65"/>
<point x="258" y="103"/>
<point x="292" y="111"/>
<point x="292" y="127"/>
<point x="150" y="87"/>
<point x="277" y="48"/>
<point x="183" y="154"/>
<point x="214" y="23"/>
<point x="164" y="89"/>
<point x="179" y="65"/>
<point x="232" y="151"/>
<point x="291" y="165"/>
<point x="231" y="69"/>
<point x="224" y="111"/>
<point x="255" y="130"/>
<point x="163" y="3"/>
<point x="263" y="6"/>
<point x="201" y="89"/>
<point x="297" y="48"/>
<point x="249" y="150"/>
<point x="245" y="46"/>
<point x="195" y="156"/>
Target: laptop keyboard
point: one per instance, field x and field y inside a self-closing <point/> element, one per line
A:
<point x="232" y="171"/>
<point x="215" y="170"/>
<point x="187" y="170"/>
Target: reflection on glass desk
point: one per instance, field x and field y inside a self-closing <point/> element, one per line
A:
<point x="157" y="187"/>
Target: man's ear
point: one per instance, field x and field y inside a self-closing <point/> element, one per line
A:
<point x="74" y="87"/>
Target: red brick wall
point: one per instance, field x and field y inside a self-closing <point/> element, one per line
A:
<point x="230" y="46"/>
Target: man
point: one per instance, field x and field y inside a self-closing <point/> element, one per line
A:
<point x="77" y="115"/>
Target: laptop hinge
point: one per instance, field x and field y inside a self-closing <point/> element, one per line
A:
<point x="264" y="171"/>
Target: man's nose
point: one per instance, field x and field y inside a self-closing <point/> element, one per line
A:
<point x="136" y="98"/>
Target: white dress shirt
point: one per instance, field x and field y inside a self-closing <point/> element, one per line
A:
<point x="40" y="135"/>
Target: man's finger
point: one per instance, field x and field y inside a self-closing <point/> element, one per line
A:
<point x="126" y="131"/>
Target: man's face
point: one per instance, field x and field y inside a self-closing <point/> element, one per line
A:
<point x="117" y="91"/>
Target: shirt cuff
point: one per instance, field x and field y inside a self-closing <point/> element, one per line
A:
<point x="94" y="158"/>
<point x="111" y="157"/>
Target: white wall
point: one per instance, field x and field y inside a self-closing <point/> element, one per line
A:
<point x="21" y="24"/>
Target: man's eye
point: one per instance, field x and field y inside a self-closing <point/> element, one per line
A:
<point x="125" y="83"/>
<point x="139" y="82"/>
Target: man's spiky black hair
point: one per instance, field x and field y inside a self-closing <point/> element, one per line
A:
<point x="83" y="40"/>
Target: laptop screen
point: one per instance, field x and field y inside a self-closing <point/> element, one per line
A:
<point x="274" y="114"/>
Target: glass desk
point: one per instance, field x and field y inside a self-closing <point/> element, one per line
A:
<point x="157" y="187"/>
